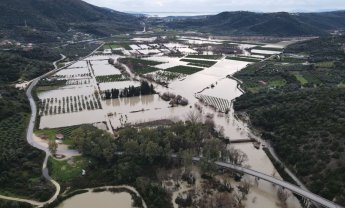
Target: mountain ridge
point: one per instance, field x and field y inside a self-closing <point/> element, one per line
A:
<point x="273" y="24"/>
<point x="59" y="16"/>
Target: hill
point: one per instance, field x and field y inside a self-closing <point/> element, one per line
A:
<point x="270" y="24"/>
<point x="49" y="18"/>
<point x="301" y="111"/>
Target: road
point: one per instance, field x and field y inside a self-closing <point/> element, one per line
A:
<point x="31" y="141"/>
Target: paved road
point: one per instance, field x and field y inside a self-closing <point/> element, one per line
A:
<point x="31" y="141"/>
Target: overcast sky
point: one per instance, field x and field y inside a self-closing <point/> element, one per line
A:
<point x="215" y="6"/>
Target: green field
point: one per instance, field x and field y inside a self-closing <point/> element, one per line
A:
<point x="200" y="63"/>
<point x="268" y="48"/>
<point x="325" y="64"/>
<point x="184" y="69"/>
<point x="301" y="79"/>
<point x="111" y="78"/>
<point x="214" y="57"/>
<point x="277" y="83"/>
<point x="66" y="170"/>
<point x="341" y="85"/>
<point x="237" y="58"/>
<point x="50" y="133"/>
<point x="141" y="66"/>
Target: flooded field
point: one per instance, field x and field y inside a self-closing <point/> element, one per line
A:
<point x="208" y="91"/>
<point x="102" y="199"/>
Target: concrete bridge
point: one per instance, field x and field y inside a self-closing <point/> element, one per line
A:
<point x="293" y="188"/>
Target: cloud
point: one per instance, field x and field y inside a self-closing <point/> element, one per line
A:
<point x="220" y="5"/>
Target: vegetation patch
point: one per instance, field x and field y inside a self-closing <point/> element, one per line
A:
<point x="65" y="170"/>
<point x="200" y="63"/>
<point x="301" y="79"/>
<point x="238" y="58"/>
<point x="268" y="48"/>
<point x="50" y="134"/>
<point x="184" y="70"/>
<point x="140" y="66"/>
<point x="213" y="57"/>
<point x="144" y="89"/>
<point x="111" y="78"/>
<point x="23" y="176"/>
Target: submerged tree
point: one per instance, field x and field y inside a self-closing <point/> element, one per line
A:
<point x="52" y="146"/>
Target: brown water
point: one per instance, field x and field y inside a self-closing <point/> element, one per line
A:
<point x="148" y="108"/>
<point x="98" y="200"/>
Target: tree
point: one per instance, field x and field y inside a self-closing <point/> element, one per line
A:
<point x="236" y="156"/>
<point x="194" y="117"/>
<point x="283" y="196"/>
<point x="52" y="146"/>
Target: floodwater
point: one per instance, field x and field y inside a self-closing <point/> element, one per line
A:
<point x="148" y="108"/>
<point x="101" y="199"/>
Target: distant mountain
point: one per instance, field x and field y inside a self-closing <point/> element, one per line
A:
<point x="58" y="16"/>
<point x="273" y="24"/>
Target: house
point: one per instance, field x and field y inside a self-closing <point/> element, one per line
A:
<point x="59" y="136"/>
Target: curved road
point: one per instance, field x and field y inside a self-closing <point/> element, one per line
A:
<point x="30" y="140"/>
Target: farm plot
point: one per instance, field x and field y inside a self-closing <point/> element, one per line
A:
<point x="166" y="76"/>
<point x="140" y="66"/>
<point x="117" y="85"/>
<point x="79" y="64"/>
<point x="265" y="52"/>
<point x="213" y="57"/>
<point x="187" y="50"/>
<point x="50" y="134"/>
<point x="72" y="72"/>
<point x="242" y="58"/>
<point x="69" y="104"/>
<point x="184" y="70"/>
<point x="219" y="104"/>
<point x="111" y="78"/>
<point x="103" y="68"/>
<point x="201" y="63"/>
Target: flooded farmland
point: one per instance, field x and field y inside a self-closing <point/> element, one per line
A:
<point x="209" y="92"/>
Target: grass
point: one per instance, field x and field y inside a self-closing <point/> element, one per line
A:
<point x="301" y="79"/>
<point x="325" y="64"/>
<point x="200" y="63"/>
<point x="66" y="170"/>
<point x="141" y="66"/>
<point x="214" y="57"/>
<point x="341" y="85"/>
<point x="277" y="83"/>
<point x="114" y="46"/>
<point x="140" y="62"/>
<point x="50" y="133"/>
<point x="184" y="69"/>
<point x="292" y="60"/>
<point x="111" y="78"/>
<point x="237" y="58"/>
<point x="268" y="48"/>
<point x="146" y="70"/>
